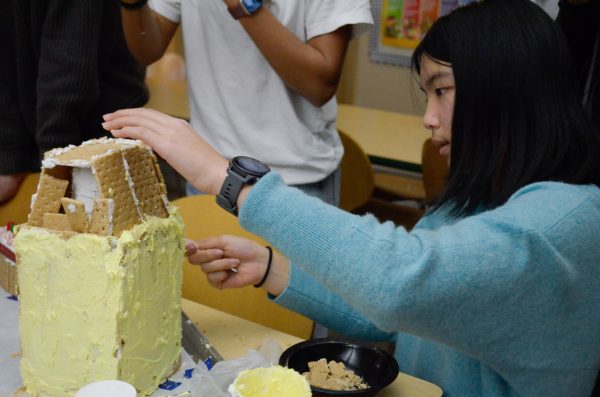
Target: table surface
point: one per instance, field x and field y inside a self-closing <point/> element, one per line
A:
<point x="233" y="336"/>
<point x="389" y="138"/>
<point x="230" y="335"/>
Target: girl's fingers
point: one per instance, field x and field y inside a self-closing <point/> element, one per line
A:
<point x="211" y="242"/>
<point x="220" y="265"/>
<point x="135" y="123"/>
<point x="140" y="133"/>
<point x="144" y="117"/>
<point x="203" y="256"/>
<point x="144" y="112"/>
<point x="190" y="247"/>
<point x="218" y="279"/>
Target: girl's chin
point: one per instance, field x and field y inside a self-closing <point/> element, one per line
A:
<point x="445" y="151"/>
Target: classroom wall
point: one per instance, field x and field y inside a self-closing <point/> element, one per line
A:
<point x="377" y="86"/>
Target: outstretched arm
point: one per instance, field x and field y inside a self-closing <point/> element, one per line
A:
<point x="175" y="141"/>
<point x="218" y="255"/>
<point x="311" y="69"/>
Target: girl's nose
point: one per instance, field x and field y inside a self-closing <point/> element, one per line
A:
<point x="430" y="119"/>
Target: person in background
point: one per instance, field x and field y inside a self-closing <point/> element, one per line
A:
<point x="262" y="77"/>
<point x="64" y="64"/>
<point x="580" y="21"/>
<point x="495" y="292"/>
<point x="550" y="6"/>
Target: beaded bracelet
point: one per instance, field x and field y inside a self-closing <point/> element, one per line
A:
<point x="268" y="268"/>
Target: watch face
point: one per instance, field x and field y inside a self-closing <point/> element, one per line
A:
<point x="251" y="166"/>
<point x="252" y="5"/>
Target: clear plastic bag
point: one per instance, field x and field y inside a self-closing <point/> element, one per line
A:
<point x="214" y="382"/>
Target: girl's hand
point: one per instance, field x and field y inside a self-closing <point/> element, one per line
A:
<point x="234" y="262"/>
<point x="175" y="141"/>
<point x="230" y="261"/>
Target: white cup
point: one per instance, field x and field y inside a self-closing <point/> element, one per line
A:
<point x="107" y="388"/>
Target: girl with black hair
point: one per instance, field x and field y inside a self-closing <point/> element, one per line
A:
<point x="495" y="292"/>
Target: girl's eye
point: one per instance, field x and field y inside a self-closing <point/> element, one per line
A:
<point x="439" y="91"/>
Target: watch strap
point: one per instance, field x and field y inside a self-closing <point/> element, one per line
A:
<point x="230" y="190"/>
<point x="238" y="11"/>
<point x="239" y="175"/>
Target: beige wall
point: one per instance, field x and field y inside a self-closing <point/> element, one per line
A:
<point x="375" y="85"/>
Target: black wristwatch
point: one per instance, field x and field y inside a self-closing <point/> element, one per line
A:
<point x="242" y="171"/>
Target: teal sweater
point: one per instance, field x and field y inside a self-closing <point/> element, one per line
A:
<point x="502" y="303"/>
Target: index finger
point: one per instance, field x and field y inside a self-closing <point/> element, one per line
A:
<point x="211" y="242"/>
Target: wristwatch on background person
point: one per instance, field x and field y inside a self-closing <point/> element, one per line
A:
<point x="245" y="8"/>
<point x="242" y="171"/>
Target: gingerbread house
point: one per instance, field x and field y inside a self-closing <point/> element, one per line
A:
<point x="99" y="271"/>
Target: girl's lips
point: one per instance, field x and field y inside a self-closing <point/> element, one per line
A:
<point x="445" y="149"/>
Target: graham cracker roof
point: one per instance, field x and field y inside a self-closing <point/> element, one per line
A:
<point x="130" y="187"/>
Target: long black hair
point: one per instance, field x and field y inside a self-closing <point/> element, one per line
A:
<point x="517" y="116"/>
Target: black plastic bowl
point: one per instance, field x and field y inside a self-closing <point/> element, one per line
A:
<point x="377" y="367"/>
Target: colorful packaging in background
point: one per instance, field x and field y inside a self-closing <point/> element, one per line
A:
<point x="405" y="22"/>
<point x="8" y="268"/>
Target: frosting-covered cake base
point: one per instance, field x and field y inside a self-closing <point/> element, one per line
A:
<point x="100" y="307"/>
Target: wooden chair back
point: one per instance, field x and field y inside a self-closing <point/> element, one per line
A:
<point x="204" y="218"/>
<point x="357" y="180"/>
<point x="17" y="209"/>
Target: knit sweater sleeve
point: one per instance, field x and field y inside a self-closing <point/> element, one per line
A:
<point x="306" y="296"/>
<point x="18" y="152"/>
<point x="501" y="286"/>
<point x="68" y="79"/>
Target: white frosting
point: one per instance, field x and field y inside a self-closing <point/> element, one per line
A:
<point x="122" y="141"/>
<point x="85" y="187"/>
<point x="131" y="188"/>
<point x="33" y="199"/>
<point x="51" y="162"/>
<point x="111" y="211"/>
<point x="57" y="152"/>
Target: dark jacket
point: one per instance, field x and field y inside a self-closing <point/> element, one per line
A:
<point x="64" y="63"/>
<point x="581" y="24"/>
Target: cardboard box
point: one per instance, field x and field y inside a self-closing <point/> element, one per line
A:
<point x="3" y="274"/>
<point x="8" y="275"/>
<point x="12" y="280"/>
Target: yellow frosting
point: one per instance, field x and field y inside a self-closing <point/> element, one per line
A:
<point x="95" y="308"/>
<point x="274" y="381"/>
